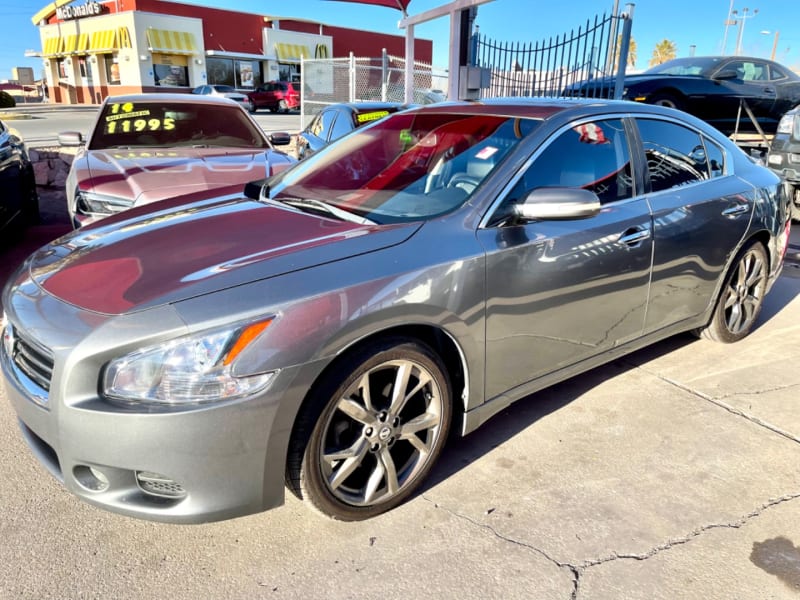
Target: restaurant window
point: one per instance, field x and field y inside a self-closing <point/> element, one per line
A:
<point x="170" y="70"/>
<point x="220" y="71"/>
<point x="111" y="62"/>
<point x="62" y="68"/>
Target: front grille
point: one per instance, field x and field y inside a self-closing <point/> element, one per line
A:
<point x="33" y="360"/>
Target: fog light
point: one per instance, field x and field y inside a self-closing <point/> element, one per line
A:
<point x="90" y="478"/>
<point x="159" y="485"/>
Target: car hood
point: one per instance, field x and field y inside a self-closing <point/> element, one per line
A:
<point x="146" y="176"/>
<point x="127" y="265"/>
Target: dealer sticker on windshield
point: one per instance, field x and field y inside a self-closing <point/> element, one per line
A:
<point x="124" y="118"/>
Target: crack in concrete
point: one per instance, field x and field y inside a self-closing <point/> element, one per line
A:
<point x="725" y="406"/>
<point x="738" y="523"/>
<point x="576" y="571"/>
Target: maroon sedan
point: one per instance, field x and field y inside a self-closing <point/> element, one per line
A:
<point x="148" y="147"/>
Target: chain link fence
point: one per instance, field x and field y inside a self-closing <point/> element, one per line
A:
<point x="328" y="81"/>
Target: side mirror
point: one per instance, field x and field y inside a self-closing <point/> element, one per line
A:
<point x="252" y="189"/>
<point x="558" y="204"/>
<point x="726" y="74"/>
<point x="70" y="138"/>
<point x="280" y="138"/>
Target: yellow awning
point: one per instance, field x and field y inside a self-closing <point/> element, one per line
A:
<point x="292" y="51"/>
<point x="52" y="46"/>
<point x="171" y="42"/>
<point x="104" y="40"/>
<point x="70" y="43"/>
<point x="83" y="43"/>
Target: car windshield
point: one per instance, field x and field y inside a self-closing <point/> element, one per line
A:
<point x="703" y="65"/>
<point x="170" y="124"/>
<point x="224" y="89"/>
<point x="407" y="167"/>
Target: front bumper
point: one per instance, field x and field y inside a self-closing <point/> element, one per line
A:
<point x="198" y="464"/>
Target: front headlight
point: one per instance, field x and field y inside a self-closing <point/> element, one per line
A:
<point x="192" y="370"/>
<point x="785" y="124"/>
<point x="92" y="203"/>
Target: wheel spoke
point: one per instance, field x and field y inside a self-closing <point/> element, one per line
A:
<point x="352" y="460"/>
<point x="390" y="471"/>
<point x="735" y="320"/>
<point x="424" y="421"/>
<point x="374" y="482"/>
<point x="399" y="388"/>
<point x="363" y="385"/>
<point x="399" y="401"/>
<point x="355" y="411"/>
<point x="754" y="276"/>
<point x="421" y="447"/>
<point x="730" y="297"/>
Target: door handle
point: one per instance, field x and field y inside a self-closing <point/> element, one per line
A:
<point x="634" y="236"/>
<point x="769" y="90"/>
<point x="735" y="210"/>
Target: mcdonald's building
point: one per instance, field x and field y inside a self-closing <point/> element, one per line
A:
<point x="92" y="48"/>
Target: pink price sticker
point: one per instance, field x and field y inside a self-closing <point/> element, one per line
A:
<point x="487" y="152"/>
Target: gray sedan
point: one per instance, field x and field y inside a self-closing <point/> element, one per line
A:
<point x="182" y="362"/>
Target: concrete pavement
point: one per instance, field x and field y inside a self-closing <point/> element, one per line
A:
<point x="671" y="473"/>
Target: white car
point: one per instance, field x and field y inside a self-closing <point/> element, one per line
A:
<point x="224" y="91"/>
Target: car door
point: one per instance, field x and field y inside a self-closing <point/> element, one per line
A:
<point x="700" y="212"/>
<point x="787" y="91"/>
<point x="561" y="291"/>
<point x="751" y="84"/>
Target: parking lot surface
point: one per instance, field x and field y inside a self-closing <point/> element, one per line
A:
<point x="670" y="473"/>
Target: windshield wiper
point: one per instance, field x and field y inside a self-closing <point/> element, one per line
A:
<point x="323" y="207"/>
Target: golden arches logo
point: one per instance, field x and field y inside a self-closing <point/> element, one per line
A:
<point x="321" y="51"/>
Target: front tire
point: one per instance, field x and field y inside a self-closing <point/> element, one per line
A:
<point x="283" y="107"/>
<point x="371" y="431"/>
<point x="666" y="99"/>
<point x="741" y="298"/>
<point x="251" y="106"/>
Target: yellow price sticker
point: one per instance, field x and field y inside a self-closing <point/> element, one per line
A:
<point x="371" y="116"/>
<point x="130" y="124"/>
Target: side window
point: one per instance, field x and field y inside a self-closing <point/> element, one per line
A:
<point x="593" y="156"/>
<point x="775" y="73"/>
<point x="341" y="126"/>
<point x="326" y="122"/>
<point x="675" y="155"/>
<point x="716" y="158"/>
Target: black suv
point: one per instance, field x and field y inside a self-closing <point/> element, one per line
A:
<point x="784" y="156"/>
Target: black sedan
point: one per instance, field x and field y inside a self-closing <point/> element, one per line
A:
<point x="336" y="120"/>
<point x="710" y="87"/>
<point x="19" y="202"/>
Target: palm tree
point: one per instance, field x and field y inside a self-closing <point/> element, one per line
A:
<point x="665" y="50"/>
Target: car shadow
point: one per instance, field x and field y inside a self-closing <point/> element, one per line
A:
<point x="460" y="452"/>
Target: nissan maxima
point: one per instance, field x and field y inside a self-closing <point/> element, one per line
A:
<point x="327" y="330"/>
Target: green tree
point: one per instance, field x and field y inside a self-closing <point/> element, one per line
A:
<point x="7" y="100"/>
<point x="631" y="52"/>
<point x="665" y="50"/>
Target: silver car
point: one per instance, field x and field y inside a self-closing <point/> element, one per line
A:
<point x="411" y="279"/>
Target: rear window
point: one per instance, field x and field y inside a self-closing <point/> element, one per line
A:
<point x="165" y="124"/>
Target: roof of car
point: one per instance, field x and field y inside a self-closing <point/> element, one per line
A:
<point x="170" y="97"/>
<point x="537" y="108"/>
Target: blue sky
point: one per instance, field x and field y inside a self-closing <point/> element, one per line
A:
<point x="685" y="22"/>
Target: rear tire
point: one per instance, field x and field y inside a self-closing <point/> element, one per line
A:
<point x="283" y="107"/>
<point x="371" y="430"/>
<point x="742" y="295"/>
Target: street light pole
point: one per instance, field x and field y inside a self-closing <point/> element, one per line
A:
<point x="774" y="43"/>
<point x="728" y="22"/>
<point x="744" y="16"/>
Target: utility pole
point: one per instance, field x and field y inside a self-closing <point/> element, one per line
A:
<point x="742" y="19"/>
<point x="728" y="22"/>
